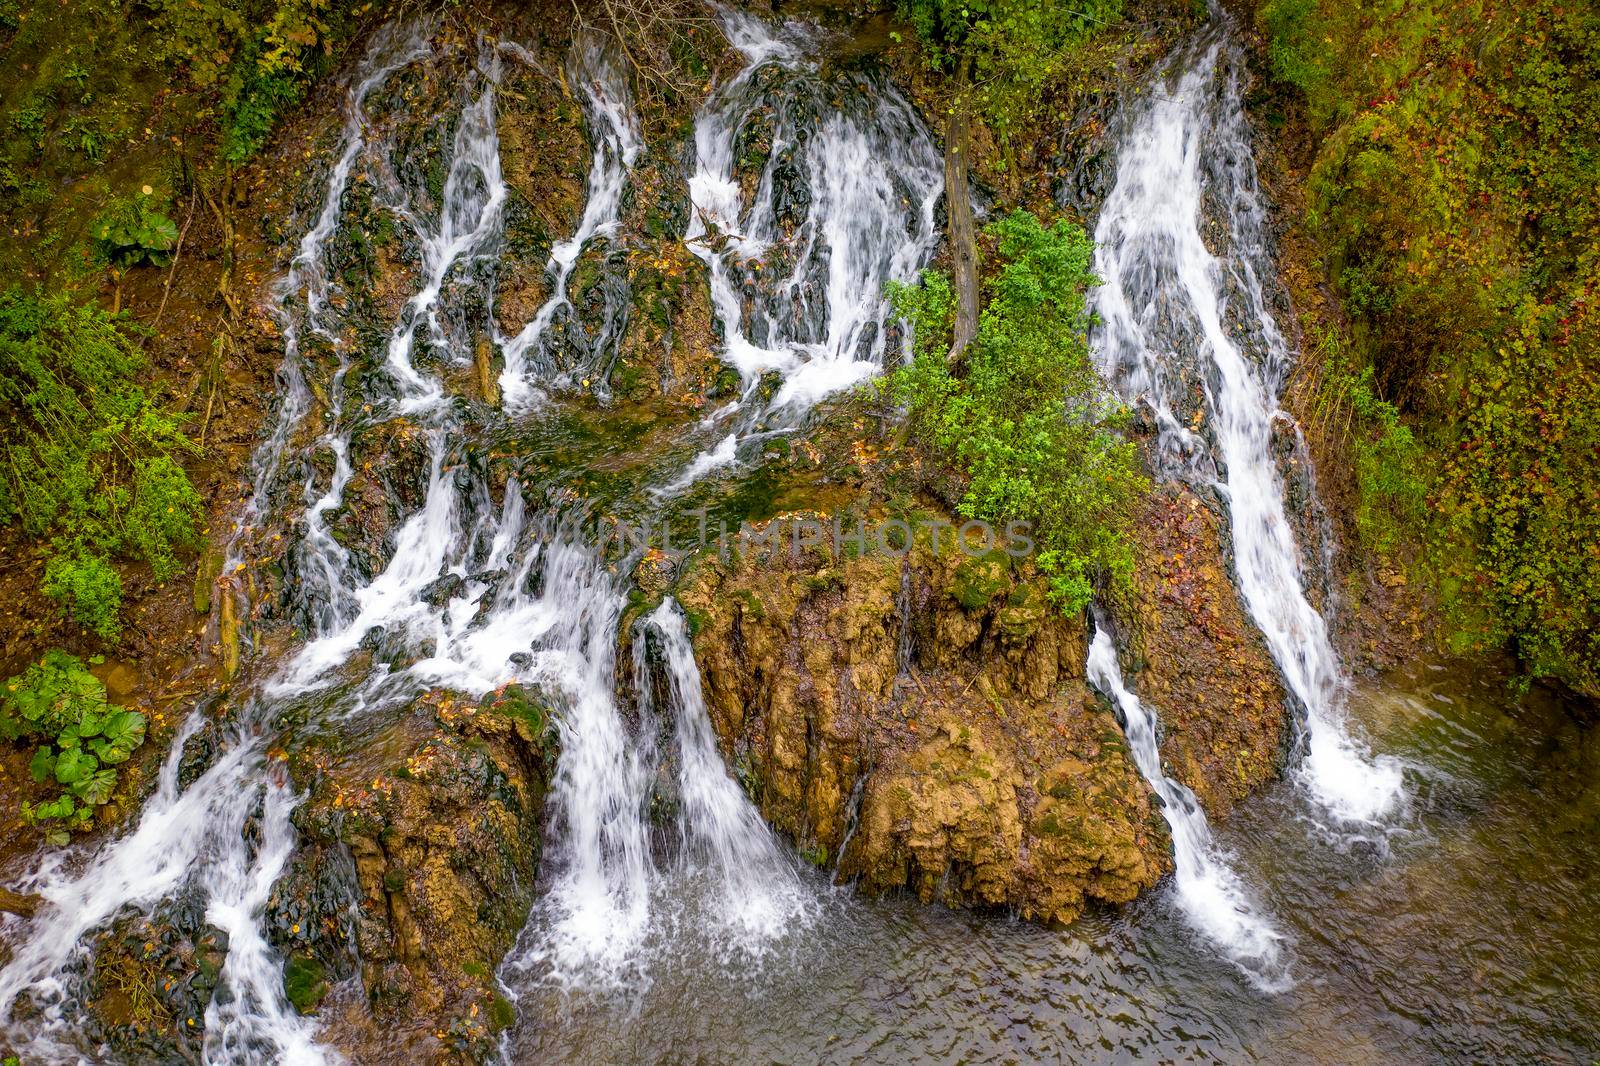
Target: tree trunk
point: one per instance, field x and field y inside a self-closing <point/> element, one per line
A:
<point x="958" y="205"/>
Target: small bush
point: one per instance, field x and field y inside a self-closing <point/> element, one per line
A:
<point x="132" y="232"/>
<point x="87" y="589"/>
<point x="1294" y="48"/>
<point x="1027" y="418"/>
<point x="1393" y="471"/>
<point x="90" y="463"/>
<point x="253" y="112"/>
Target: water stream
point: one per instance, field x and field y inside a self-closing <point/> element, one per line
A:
<point x="470" y="593"/>
<point x="1210" y="893"/>
<point x="1181" y="248"/>
<point x="808" y="194"/>
<point x="534" y="358"/>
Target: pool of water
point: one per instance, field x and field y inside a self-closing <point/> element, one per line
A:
<point x="1466" y="932"/>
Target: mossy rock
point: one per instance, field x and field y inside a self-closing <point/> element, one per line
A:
<point x="1023" y="615"/>
<point x="304" y="983"/>
<point x="205" y="578"/>
<point x="502" y="1015"/>
<point x="978" y="581"/>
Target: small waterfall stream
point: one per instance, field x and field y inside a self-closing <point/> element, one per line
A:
<point x="1210" y="894"/>
<point x="808" y="194"/>
<point x="532" y="355"/>
<point x="724" y="838"/>
<point x="1181" y="249"/>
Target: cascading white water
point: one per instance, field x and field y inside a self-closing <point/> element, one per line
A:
<point x="1179" y="319"/>
<point x="616" y="145"/>
<point x="600" y="870"/>
<point x="755" y="885"/>
<point x="843" y="202"/>
<point x="306" y="281"/>
<point x="228" y="836"/>
<point x="468" y="224"/>
<point x="1210" y="894"/>
<point x="494" y="628"/>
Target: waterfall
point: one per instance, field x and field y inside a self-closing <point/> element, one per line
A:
<point x="808" y="195"/>
<point x="723" y="835"/>
<point x="809" y="190"/>
<point x="1186" y="334"/>
<point x="476" y="586"/>
<point x="225" y="839"/>
<point x="1210" y="894"/>
<point x="609" y="112"/>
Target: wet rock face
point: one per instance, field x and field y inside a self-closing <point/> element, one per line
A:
<point x="924" y="725"/>
<point x="151" y="981"/>
<point x="421" y="848"/>
<point x="1196" y="659"/>
<point x="544" y="156"/>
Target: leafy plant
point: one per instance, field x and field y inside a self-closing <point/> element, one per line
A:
<point x="87" y="589"/>
<point x="1027" y="418"/>
<point x="133" y="232"/>
<point x="81" y="737"/>
<point x="1393" y="472"/>
<point x="272" y="71"/>
<point x="253" y="112"/>
<point x="1295" y="47"/>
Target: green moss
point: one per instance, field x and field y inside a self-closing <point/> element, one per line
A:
<point x="979" y="580"/>
<point x="752" y="603"/>
<point x="697" y="621"/>
<point x="205" y="578"/>
<point x="519" y="703"/>
<point x="502" y="1015"/>
<point x="304" y="983"/>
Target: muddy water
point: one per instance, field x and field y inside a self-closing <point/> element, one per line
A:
<point x="1467" y="933"/>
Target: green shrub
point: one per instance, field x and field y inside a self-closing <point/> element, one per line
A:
<point x="1295" y="48"/>
<point x="1393" y="472"/>
<point x="1027" y="418"/>
<point x="272" y="72"/>
<point x="81" y="738"/>
<point x="254" y="106"/>
<point x="1012" y="49"/>
<point x="87" y="589"/>
<point x="90" y="463"/>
